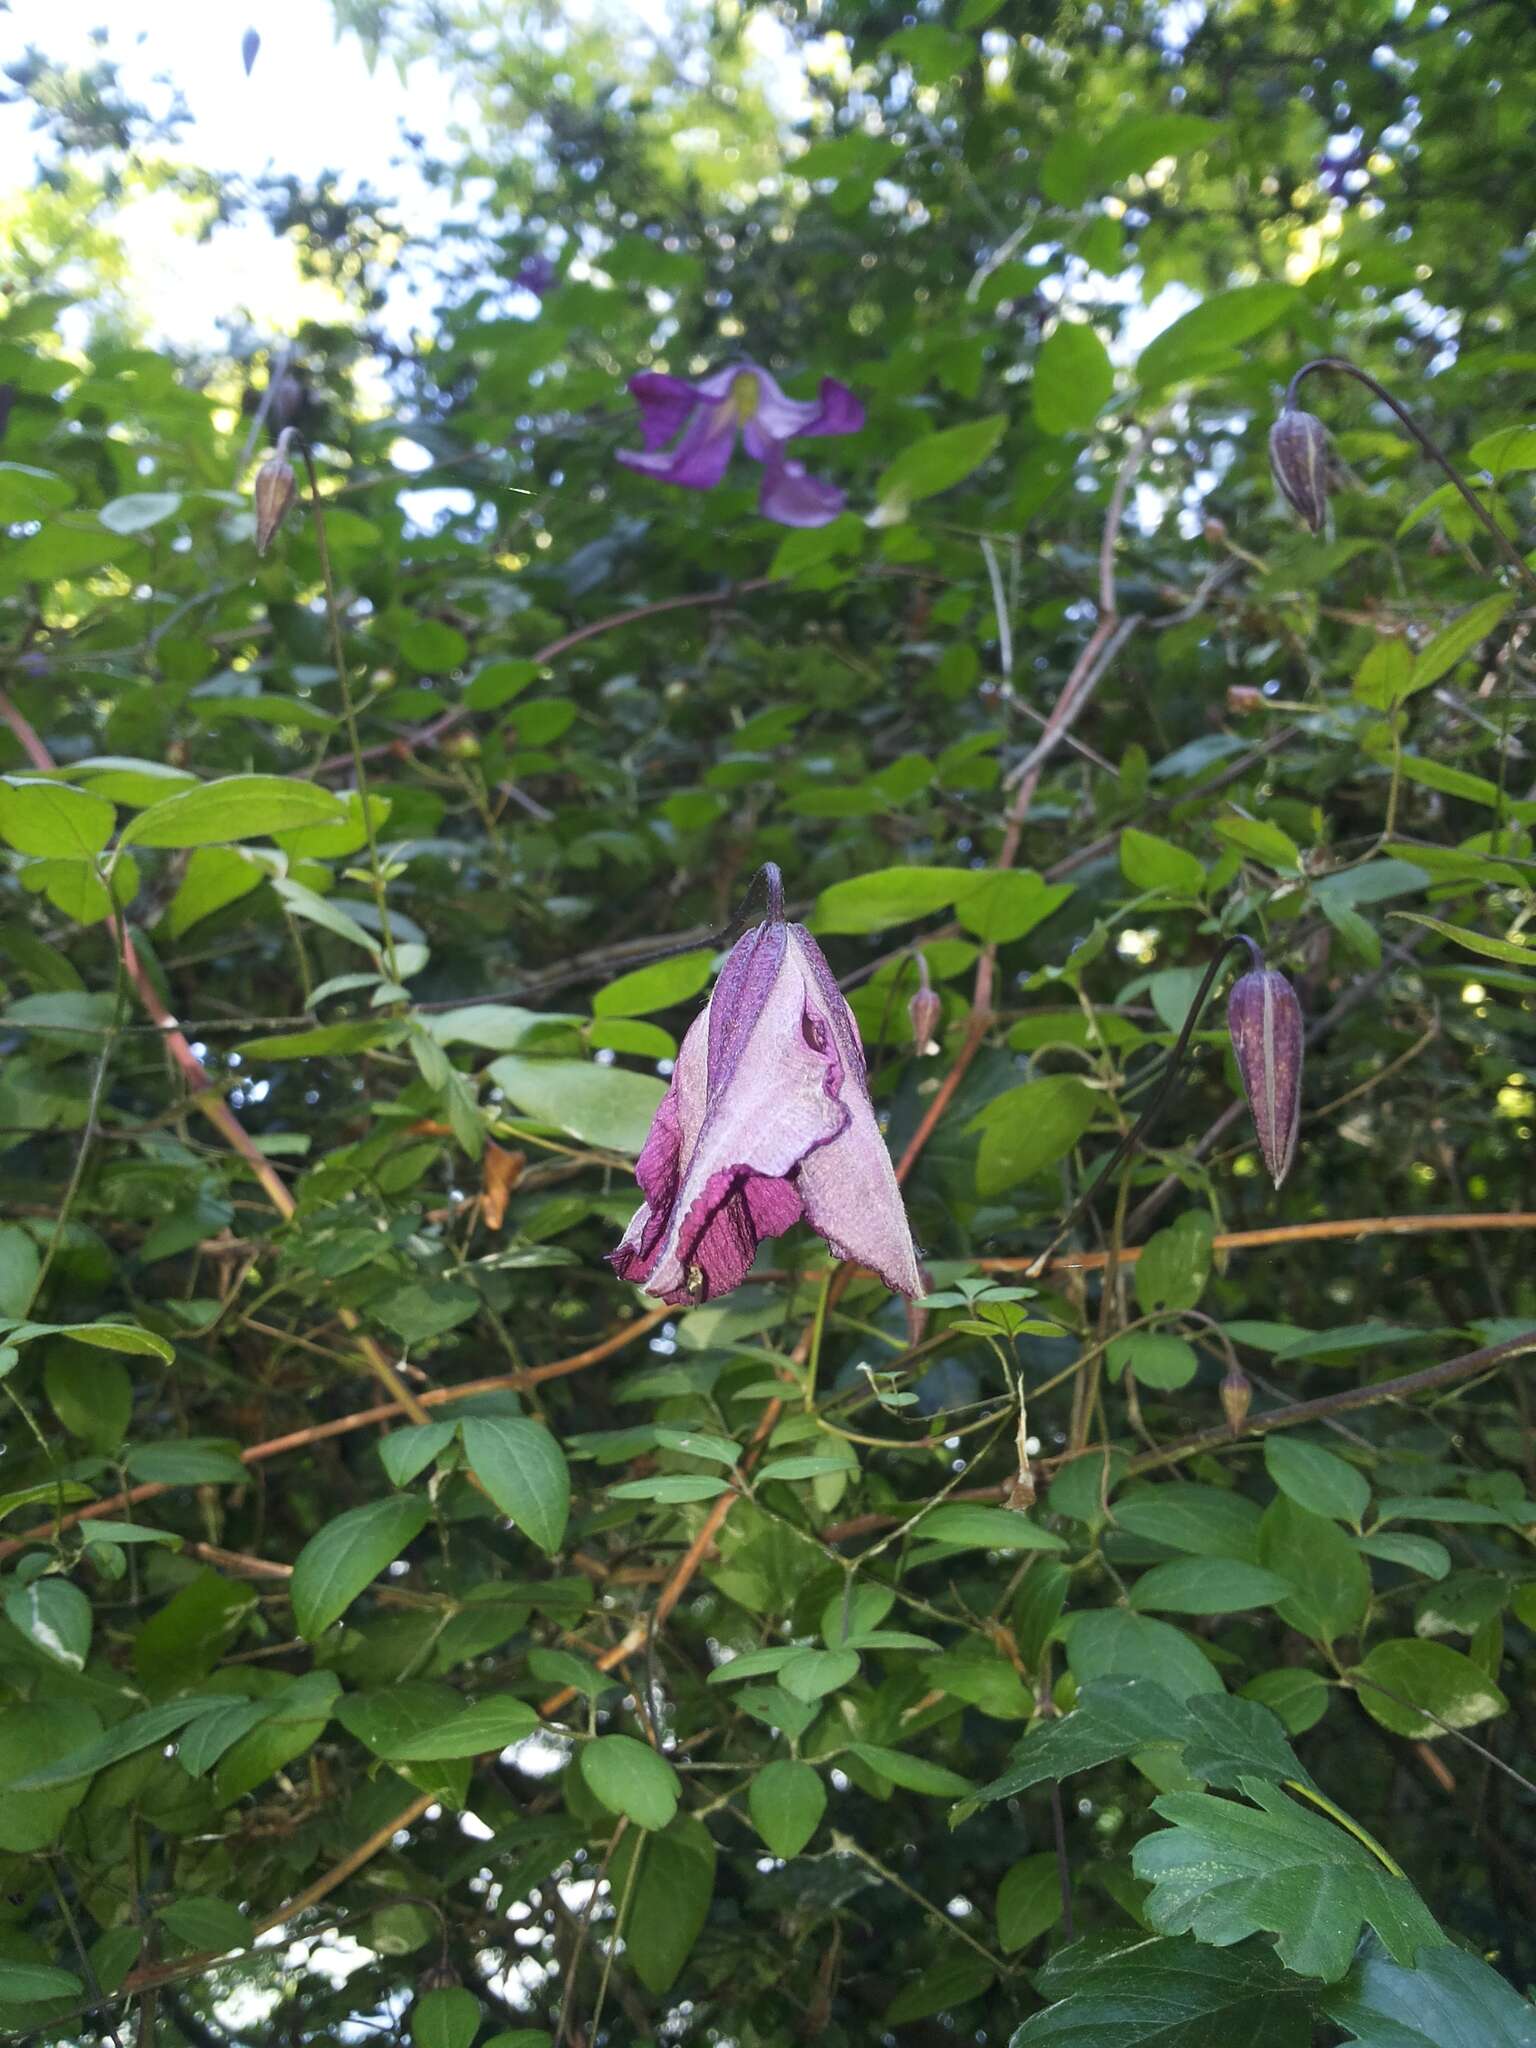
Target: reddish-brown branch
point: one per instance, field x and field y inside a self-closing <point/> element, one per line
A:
<point x="317" y="1432"/>
<point x="427" y="735"/>
<point x="1429" y="1381"/>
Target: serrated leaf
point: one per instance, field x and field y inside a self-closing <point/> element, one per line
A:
<point x="1449" y="2000"/>
<point x="1129" y="1991"/>
<point x="1224" y="1870"/>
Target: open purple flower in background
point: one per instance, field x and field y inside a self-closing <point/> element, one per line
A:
<point x="1268" y="1036"/>
<point x="703" y="421"/>
<point x="767" y="1123"/>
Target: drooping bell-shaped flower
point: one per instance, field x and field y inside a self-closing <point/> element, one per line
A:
<point x="767" y="1123"/>
<point x="703" y="420"/>
<point x="1268" y="1036"/>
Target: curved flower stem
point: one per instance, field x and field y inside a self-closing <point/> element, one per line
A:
<point x="1429" y="445"/>
<point x="1143" y="1123"/>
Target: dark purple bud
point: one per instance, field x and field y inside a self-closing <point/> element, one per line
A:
<point x="1303" y="464"/>
<point x="1265" y="1022"/>
<point x="276" y="489"/>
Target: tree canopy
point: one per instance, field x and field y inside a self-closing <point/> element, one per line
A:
<point x="1053" y="481"/>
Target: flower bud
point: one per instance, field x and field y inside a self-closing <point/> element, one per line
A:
<point x="1243" y="697"/>
<point x="1236" y="1394"/>
<point x="1303" y="464"/>
<point x="250" y="43"/>
<point x="276" y="489"/>
<point x="1265" y="1023"/>
<point x="925" y="1009"/>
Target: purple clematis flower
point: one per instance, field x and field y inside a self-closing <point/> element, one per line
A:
<point x="538" y="275"/>
<point x="704" y="419"/>
<point x="767" y="1122"/>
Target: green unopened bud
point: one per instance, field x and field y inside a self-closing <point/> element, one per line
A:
<point x="276" y="489"/>
<point x="1303" y="464"/>
<point x="1265" y="1023"/>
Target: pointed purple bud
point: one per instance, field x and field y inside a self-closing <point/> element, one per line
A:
<point x="1303" y="464"/>
<point x="1265" y="1022"/>
<point x="925" y="1009"/>
<point x="767" y="1123"/>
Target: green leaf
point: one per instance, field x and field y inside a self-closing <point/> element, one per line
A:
<point x="1316" y="1479"/>
<point x="1505" y="450"/>
<point x="31" y="1983"/>
<point x="1156" y="1360"/>
<point x="1510" y="950"/>
<point x="409" y="1450"/>
<point x="1264" y="841"/>
<point x="1110" y="1642"/>
<point x="1207" y="1585"/>
<point x="1008" y="903"/>
<point x="1028" y="1901"/>
<point x="970" y="1525"/>
<point x="1457" y="639"/>
<point x="347" y="1555"/>
<point x="207" y="1923"/>
<point x="447" y="2017"/>
<point x="669" y="1898"/>
<point x="1204" y="340"/>
<point x="812" y="1674"/>
<point x="1224" y="1870"/>
<point x="138" y="1732"/>
<point x="522" y="1468"/>
<point x="1421" y="1689"/>
<point x="215" y="876"/>
<point x="1080" y="163"/>
<point x="181" y="1644"/>
<point x="1415" y="1553"/>
<point x="55" y="1617"/>
<point x="935" y="464"/>
<point x="631" y="1778"/>
<point x="912" y="1773"/>
<point x="1139" y="1991"/>
<point x="1148" y="862"/>
<point x="498" y="682"/>
<point x="1175" y="1265"/>
<point x="33" y="1736"/>
<point x="696" y="1443"/>
<point x="1297" y="1696"/>
<point x="888" y="896"/>
<point x="1027" y="1129"/>
<point x="186" y="1461"/>
<point x="27" y="493"/>
<point x="1204" y="1520"/>
<point x="786" y="1801"/>
<point x="52" y="819"/>
<point x="672" y="1486"/>
<point x="139" y="511"/>
<point x="940" y="1988"/>
<point x="599" y="1105"/>
<point x="492" y="1725"/>
<point x="1332" y="1585"/>
<point x="657" y="987"/>
<point x="20" y="1264"/>
<point x="1449" y="2000"/>
<point x="236" y="807"/>
<point x="1074" y="379"/>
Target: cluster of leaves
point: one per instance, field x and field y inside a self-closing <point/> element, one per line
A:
<point x="400" y="1613"/>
